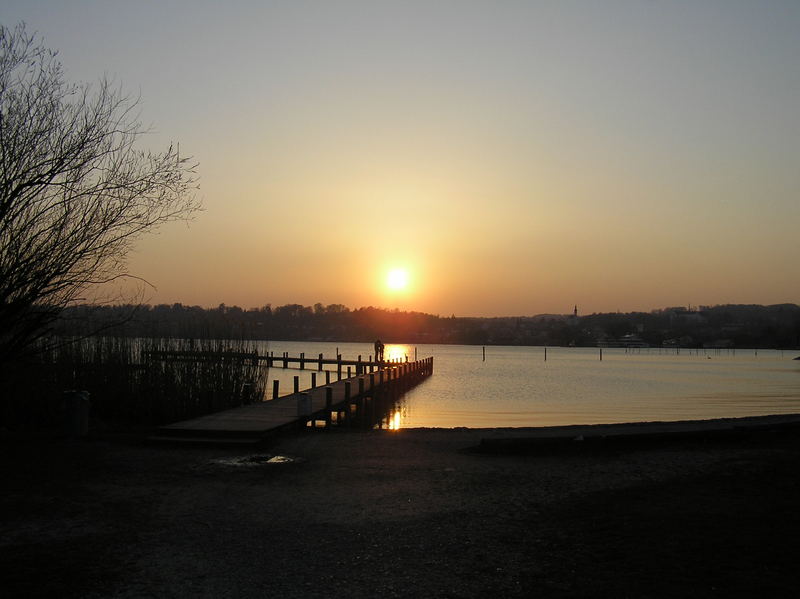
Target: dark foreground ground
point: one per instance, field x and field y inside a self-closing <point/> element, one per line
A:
<point x="400" y="514"/>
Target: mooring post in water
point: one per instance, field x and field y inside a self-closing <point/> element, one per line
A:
<point x="328" y="405"/>
<point x="545" y="354"/>
<point x="601" y="354"/>
<point x="348" y="372"/>
<point x="358" y="365"/>
<point x="302" y="360"/>
<point x="313" y="380"/>
<point x="275" y="385"/>
<point x="319" y="362"/>
<point x="484" y="353"/>
<point x="296" y="384"/>
<point x="327" y="377"/>
<point x="338" y="366"/>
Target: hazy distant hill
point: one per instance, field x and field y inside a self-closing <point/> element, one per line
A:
<point x="710" y="326"/>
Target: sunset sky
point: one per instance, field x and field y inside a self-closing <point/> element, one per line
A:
<point x="514" y="158"/>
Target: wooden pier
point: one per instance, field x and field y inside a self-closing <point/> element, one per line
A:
<point x="360" y="401"/>
<point x="284" y="360"/>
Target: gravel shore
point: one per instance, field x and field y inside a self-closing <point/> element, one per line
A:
<point x="410" y="513"/>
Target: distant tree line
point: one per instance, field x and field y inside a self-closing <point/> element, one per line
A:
<point x="776" y="326"/>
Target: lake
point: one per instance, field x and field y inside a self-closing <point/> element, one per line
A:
<point x="516" y="386"/>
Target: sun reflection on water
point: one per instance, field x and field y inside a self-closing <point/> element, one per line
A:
<point x="398" y="352"/>
<point x="394" y="421"/>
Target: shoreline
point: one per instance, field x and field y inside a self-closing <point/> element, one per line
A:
<point x="405" y="513"/>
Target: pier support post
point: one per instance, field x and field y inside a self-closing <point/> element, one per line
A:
<point x="361" y="403"/>
<point x="347" y="415"/>
<point x="313" y="380"/>
<point x="275" y="385"/>
<point x="328" y="406"/>
<point x="296" y="384"/>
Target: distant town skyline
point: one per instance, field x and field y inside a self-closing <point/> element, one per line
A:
<point x="501" y="159"/>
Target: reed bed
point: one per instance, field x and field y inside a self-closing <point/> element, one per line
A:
<point x="134" y="380"/>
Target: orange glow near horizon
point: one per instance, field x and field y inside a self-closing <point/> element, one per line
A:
<point x="471" y="163"/>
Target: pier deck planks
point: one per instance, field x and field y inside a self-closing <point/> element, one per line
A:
<point x="256" y="420"/>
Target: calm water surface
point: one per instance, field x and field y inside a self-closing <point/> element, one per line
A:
<point x="515" y="386"/>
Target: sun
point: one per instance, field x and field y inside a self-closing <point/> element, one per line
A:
<point x="397" y="279"/>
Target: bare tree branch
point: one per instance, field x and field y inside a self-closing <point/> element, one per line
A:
<point x="75" y="190"/>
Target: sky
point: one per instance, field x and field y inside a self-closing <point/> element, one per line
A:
<point x="514" y="157"/>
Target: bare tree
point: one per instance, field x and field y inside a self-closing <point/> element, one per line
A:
<point x="75" y="192"/>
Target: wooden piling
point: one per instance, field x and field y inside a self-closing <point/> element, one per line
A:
<point x="296" y="384"/>
<point x="313" y="380"/>
<point x="361" y="402"/>
<point x="347" y="415"/>
<point x="275" y="384"/>
<point x="328" y="405"/>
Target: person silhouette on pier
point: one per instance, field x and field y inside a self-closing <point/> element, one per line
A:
<point x="378" y="350"/>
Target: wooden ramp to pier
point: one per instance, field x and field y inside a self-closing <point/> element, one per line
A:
<point x="358" y="398"/>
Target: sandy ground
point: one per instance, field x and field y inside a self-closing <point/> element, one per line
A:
<point x="411" y="513"/>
